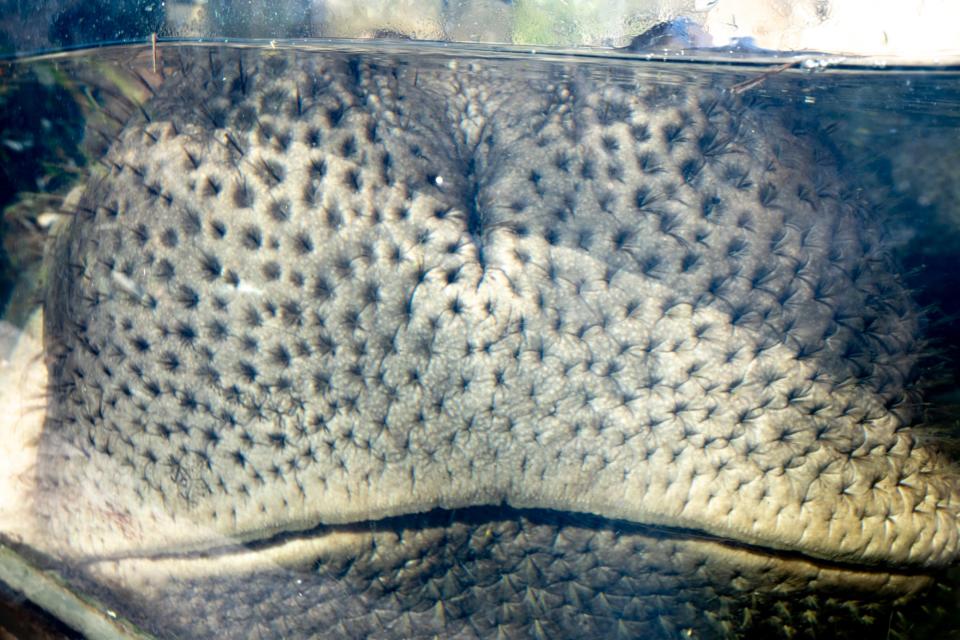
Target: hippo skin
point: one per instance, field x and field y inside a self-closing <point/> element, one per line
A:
<point x="360" y="346"/>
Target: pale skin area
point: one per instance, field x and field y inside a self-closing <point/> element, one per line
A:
<point x="23" y="383"/>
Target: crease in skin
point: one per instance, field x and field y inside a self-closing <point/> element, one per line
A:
<point x="324" y="290"/>
<point x="330" y="571"/>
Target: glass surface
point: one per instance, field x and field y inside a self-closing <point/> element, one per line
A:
<point x="397" y="339"/>
<point x="924" y="32"/>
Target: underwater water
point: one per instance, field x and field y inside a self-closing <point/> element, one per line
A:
<point x="405" y="340"/>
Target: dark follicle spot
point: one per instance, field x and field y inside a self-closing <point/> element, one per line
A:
<point x="272" y="173"/>
<point x="218" y="228"/>
<point x="348" y="147"/>
<point x="303" y="243"/>
<point x="280" y="210"/>
<point x="336" y="115"/>
<point x="190" y="223"/>
<point x="272" y="270"/>
<point x="252" y="238"/>
<point x="211" y="187"/>
<point x="243" y="197"/>
<point x="170" y="238"/>
<point x="352" y="180"/>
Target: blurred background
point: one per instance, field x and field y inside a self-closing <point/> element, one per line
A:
<point x="916" y="30"/>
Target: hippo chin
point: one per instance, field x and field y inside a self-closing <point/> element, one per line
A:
<point x="354" y="347"/>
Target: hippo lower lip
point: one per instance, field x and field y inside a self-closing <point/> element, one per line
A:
<point x="315" y="296"/>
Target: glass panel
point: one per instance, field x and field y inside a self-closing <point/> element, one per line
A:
<point x="915" y="32"/>
<point x="342" y="339"/>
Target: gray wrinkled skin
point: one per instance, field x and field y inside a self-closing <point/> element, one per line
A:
<point x="316" y="296"/>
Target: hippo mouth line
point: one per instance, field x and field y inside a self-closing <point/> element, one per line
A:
<point x="481" y="515"/>
<point x="487" y="570"/>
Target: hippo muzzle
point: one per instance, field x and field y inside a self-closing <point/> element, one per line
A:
<point x="346" y="346"/>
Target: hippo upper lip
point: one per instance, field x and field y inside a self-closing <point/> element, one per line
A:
<point x="609" y="312"/>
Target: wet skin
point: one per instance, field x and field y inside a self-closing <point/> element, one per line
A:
<point x="347" y="347"/>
